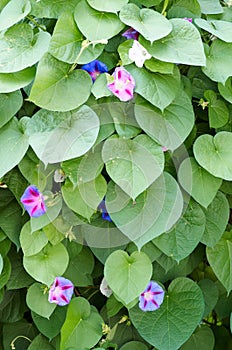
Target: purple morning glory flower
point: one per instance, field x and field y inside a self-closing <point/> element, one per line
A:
<point x="103" y="210"/>
<point x="33" y="201"/>
<point x="131" y="33"/>
<point x="95" y="68"/>
<point x="152" y="297"/>
<point x="188" y="19"/>
<point x="61" y="291"/>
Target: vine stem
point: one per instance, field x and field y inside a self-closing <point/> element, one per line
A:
<point x="165" y="7"/>
<point x="35" y="23"/>
<point x="12" y="344"/>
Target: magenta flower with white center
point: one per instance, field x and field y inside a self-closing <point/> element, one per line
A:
<point x="152" y="297"/>
<point x="188" y="19"/>
<point x="33" y="201"/>
<point x="61" y="291"/>
<point x="122" y="85"/>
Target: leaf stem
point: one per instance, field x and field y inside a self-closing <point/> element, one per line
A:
<point x="12" y="344"/>
<point x="35" y="23"/>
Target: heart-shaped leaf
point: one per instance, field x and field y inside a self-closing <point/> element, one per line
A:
<point x="52" y="8"/>
<point x="173" y="323"/>
<point x="220" y="259"/>
<point x="201" y="339"/>
<point x="226" y="89"/>
<point x="220" y="29"/>
<point x="200" y="184"/>
<point x="101" y="25"/>
<point x="38" y="302"/>
<point x="14" y="81"/>
<point x="9" y="105"/>
<point x="133" y="164"/>
<point x="214" y="154"/>
<point x="121" y="270"/>
<point x="218" y="111"/>
<point x="151" y="24"/>
<point x="56" y="85"/>
<point x="13" y="12"/>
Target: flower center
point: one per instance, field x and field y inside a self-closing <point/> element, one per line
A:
<point x="148" y="296"/>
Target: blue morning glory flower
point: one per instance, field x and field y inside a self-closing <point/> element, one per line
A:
<point x="152" y="297"/>
<point x="103" y="210"/>
<point x="95" y="68"/>
<point x="61" y="291"/>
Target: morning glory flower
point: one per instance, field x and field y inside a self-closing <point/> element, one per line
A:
<point x="138" y="54"/>
<point x="131" y="33"/>
<point x="152" y="297"/>
<point x="188" y="19"/>
<point x="103" y="210"/>
<point x="95" y="68"/>
<point x="122" y="84"/>
<point x="105" y="289"/>
<point x="33" y="201"/>
<point x="61" y="291"/>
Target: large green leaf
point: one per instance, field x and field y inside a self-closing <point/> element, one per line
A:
<point x="186" y="234"/>
<point x="226" y="89"/>
<point x="13" y="81"/>
<point x="65" y="44"/>
<point x="37" y="300"/>
<point x="173" y="323"/>
<point x="218" y="111"/>
<point x="171" y="127"/>
<point x="182" y="45"/>
<point x="158" y="89"/>
<point x="220" y="259"/>
<point x="151" y="24"/>
<point x="106" y="6"/>
<point x="51" y="260"/>
<point x="214" y="155"/>
<point x="101" y="25"/>
<point x="217" y="217"/>
<point x="221" y="29"/>
<point x="133" y="164"/>
<point x="57" y="136"/>
<point x="83" y="326"/>
<point x="55" y="86"/>
<point x="13" y="146"/>
<point x="20" y="48"/>
<point x="210" y="293"/>
<point x="216" y="68"/>
<point x="10" y="103"/>
<point x="52" y="8"/>
<point x="13" y="12"/>
<point x="32" y="243"/>
<point x="40" y="342"/>
<point x="201" y="339"/>
<point x="121" y="271"/>
<point x="200" y="184"/>
<point x="210" y="7"/>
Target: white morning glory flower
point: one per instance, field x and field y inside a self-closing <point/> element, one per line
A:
<point x="138" y="54"/>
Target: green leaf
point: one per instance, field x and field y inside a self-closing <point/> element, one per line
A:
<point x="6" y="272"/>
<point x="13" y="146"/>
<point x="218" y="111"/>
<point x="220" y="29"/>
<point x="83" y="324"/>
<point x="52" y="262"/>
<point x="171" y="127"/>
<point x="186" y="234"/>
<point x="12" y="330"/>
<point x="85" y="198"/>
<point x="158" y="89"/>
<point x="121" y="271"/>
<point x="50" y="327"/>
<point x="40" y="342"/>
<point x="226" y="89"/>
<point x="13" y="81"/>
<point x="210" y="7"/>
<point x="37" y="301"/>
<point x="20" y="48"/>
<point x="56" y="85"/>
<point x="32" y="243"/>
<point x="215" y="68"/>
<point x="214" y="154"/>
<point x="13" y="306"/>
<point x="200" y="184"/>
<point x="10" y="103"/>
<point x="134" y="345"/>
<point x="33" y="170"/>
<point x="182" y="8"/>
<point x="52" y="8"/>
<point x="123" y="51"/>
<point x="173" y="323"/>
<point x="13" y="12"/>
<point x="217" y="217"/>
<point x="210" y="293"/>
<point x="65" y="44"/>
<point x="106" y="6"/>
<point x="201" y="339"/>
<point x="57" y="136"/>
<point x="132" y="164"/>
<point x="101" y="25"/>
<point x="220" y="259"/>
<point x="149" y="23"/>
<point x="11" y="222"/>
<point x="182" y="45"/>
<point x="99" y="88"/>
<point x="157" y="66"/>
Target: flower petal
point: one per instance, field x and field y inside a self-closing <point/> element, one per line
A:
<point x="33" y="201"/>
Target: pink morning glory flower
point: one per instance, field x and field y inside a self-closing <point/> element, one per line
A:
<point x="95" y="68"/>
<point x="152" y="297"/>
<point x="188" y="19"/>
<point x="33" y="201"/>
<point x="61" y="291"/>
<point x="131" y="33"/>
<point x="138" y="54"/>
<point x="122" y="84"/>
